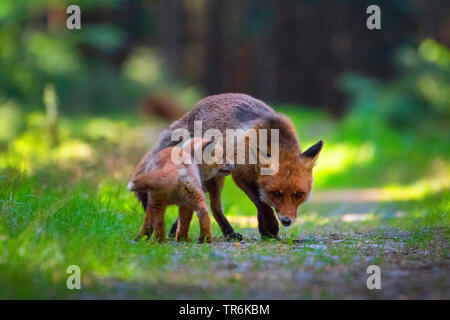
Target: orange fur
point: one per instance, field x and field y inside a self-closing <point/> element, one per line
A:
<point x="166" y="182"/>
<point x="294" y="178"/>
<point x="291" y="185"/>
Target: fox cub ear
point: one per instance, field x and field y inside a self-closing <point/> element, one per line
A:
<point x="312" y="153"/>
<point x="195" y="143"/>
<point x="206" y="143"/>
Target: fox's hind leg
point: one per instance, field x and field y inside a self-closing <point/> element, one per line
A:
<point x="184" y="219"/>
<point x="173" y="229"/>
<point x="157" y="213"/>
<point x="205" y="223"/>
<point x="147" y="227"/>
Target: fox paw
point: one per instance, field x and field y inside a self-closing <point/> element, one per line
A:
<point x="206" y="239"/>
<point x="171" y="234"/>
<point x="233" y="236"/>
<point x="269" y="236"/>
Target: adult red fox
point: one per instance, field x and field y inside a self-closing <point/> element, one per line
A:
<point x="285" y="190"/>
<point x="167" y="182"/>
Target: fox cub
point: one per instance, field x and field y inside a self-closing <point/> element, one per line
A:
<point x="169" y="182"/>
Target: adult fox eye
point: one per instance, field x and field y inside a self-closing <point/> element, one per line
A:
<point x="299" y="195"/>
<point x="276" y="194"/>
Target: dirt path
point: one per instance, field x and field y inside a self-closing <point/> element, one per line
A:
<point x="335" y="265"/>
<point x="331" y="266"/>
<point x="316" y="261"/>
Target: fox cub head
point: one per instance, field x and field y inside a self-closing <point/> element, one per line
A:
<point x="209" y="155"/>
<point x="291" y="185"/>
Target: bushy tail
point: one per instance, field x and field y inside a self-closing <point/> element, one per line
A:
<point x="148" y="181"/>
<point x="143" y="198"/>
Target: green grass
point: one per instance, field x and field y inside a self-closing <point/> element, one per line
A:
<point x="68" y="205"/>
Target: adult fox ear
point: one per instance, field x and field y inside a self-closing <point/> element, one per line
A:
<point x="312" y="153"/>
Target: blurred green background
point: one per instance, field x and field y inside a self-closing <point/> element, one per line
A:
<point x="79" y="108"/>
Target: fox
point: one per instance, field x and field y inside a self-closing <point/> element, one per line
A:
<point x="167" y="182"/>
<point x="283" y="191"/>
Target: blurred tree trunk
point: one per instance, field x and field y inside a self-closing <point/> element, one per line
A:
<point x="266" y="53"/>
<point x="213" y="78"/>
<point x="170" y="34"/>
<point x="290" y="51"/>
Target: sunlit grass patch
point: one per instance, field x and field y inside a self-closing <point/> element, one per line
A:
<point x="68" y="204"/>
<point x="337" y="157"/>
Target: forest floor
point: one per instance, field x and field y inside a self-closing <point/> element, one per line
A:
<point x="328" y="263"/>
<point x="377" y="200"/>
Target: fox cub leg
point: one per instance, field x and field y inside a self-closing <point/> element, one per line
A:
<point x="205" y="224"/>
<point x="157" y="213"/>
<point x="147" y="227"/>
<point x="184" y="219"/>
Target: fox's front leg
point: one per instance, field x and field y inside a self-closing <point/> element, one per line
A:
<point x="184" y="219"/>
<point x="267" y="222"/>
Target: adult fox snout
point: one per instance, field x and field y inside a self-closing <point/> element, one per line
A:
<point x="286" y="221"/>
